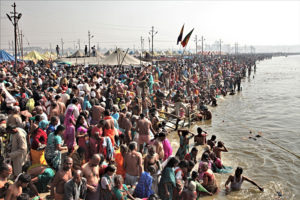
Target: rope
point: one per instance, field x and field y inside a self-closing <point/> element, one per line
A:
<point x="253" y="131"/>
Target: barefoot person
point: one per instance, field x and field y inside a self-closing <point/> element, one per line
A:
<point x="61" y="177"/>
<point x="16" y="189"/>
<point x="133" y="165"/>
<point x="91" y="173"/>
<point x="237" y="180"/>
<point x="144" y="127"/>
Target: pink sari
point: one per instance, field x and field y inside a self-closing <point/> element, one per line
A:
<point x="69" y="135"/>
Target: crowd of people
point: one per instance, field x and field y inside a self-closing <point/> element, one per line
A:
<point x="97" y="132"/>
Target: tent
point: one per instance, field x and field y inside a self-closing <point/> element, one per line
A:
<point x="99" y="54"/>
<point x="4" y="56"/>
<point x="108" y="52"/>
<point x="116" y="58"/>
<point x="34" y="55"/>
<point x="49" y="55"/>
<point x="77" y="54"/>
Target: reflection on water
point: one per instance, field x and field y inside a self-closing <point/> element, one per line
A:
<point x="269" y="103"/>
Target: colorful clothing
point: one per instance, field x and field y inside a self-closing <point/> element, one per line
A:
<point x="119" y="160"/>
<point x="167" y="149"/>
<point x="52" y="155"/>
<point x="120" y="194"/>
<point x="167" y="177"/>
<point x="44" y="179"/>
<point x="144" y="187"/>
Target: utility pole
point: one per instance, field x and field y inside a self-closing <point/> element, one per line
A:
<point x="196" y="40"/>
<point x="21" y="43"/>
<point x="149" y="43"/>
<point x="142" y="43"/>
<point x="74" y="46"/>
<point x="14" y="20"/>
<point x="90" y="37"/>
<point x="50" y="45"/>
<point x="220" y="41"/>
<point x="62" y="47"/>
<point x="202" y="40"/>
<point x="236" y="48"/>
<point x="152" y="33"/>
<point x="78" y="44"/>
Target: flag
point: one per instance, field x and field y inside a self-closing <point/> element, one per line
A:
<point x="180" y="35"/>
<point x="186" y="39"/>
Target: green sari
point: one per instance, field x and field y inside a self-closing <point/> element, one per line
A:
<point x="167" y="176"/>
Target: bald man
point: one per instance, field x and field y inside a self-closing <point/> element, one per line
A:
<point x="61" y="177"/>
<point x="75" y="189"/>
<point x="91" y="173"/>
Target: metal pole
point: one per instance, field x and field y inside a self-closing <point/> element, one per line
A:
<point x="221" y="46"/>
<point x="22" y="44"/>
<point x="202" y="40"/>
<point x="62" y="47"/>
<point x="196" y="43"/>
<point x="89" y="36"/>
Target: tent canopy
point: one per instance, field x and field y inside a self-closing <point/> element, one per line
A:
<point x="49" y="55"/>
<point x="116" y="58"/>
<point x="108" y="52"/>
<point x="34" y="55"/>
<point x="77" y="54"/>
<point x="4" y="56"/>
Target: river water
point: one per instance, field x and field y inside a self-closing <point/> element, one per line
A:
<point x="269" y="104"/>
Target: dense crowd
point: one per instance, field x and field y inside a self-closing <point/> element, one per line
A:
<point x="100" y="132"/>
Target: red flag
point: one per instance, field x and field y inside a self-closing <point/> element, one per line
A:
<point x="180" y="35"/>
<point x="186" y="39"/>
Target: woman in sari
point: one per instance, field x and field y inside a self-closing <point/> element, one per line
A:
<point x="184" y="143"/>
<point x="168" y="181"/>
<point x="54" y="148"/>
<point x="120" y="190"/>
<point x="82" y="137"/>
<point x="39" y="141"/>
<point x="70" y="129"/>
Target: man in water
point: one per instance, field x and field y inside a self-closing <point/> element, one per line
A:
<point x="91" y="173"/>
<point x="237" y="180"/>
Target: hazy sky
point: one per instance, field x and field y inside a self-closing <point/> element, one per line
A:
<point x="122" y="23"/>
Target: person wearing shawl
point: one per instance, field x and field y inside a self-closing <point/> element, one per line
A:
<point x="39" y="141"/>
<point x="168" y="180"/>
<point x="86" y="103"/>
<point x="69" y="135"/>
<point x="144" y="187"/>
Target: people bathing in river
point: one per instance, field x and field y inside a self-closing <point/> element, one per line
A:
<point x="237" y="180"/>
<point x="101" y="104"/>
<point x="184" y="143"/>
<point x="200" y="139"/>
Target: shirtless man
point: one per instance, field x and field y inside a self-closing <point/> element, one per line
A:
<point x="143" y="128"/>
<point x="200" y="139"/>
<point x="133" y="165"/>
<point x="61" y="177"/>
<point x="91" y="173"/>
<point x="96" y="113"/>
<point x="109" y="128"/>
<point x="219" y="148"/>
<point x="16" y="189"/>
<point x="125" y="126"/>
<point x="5" y="172"/>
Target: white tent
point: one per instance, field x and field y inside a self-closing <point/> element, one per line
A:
<point x="108" y="52"/>
<point x="119" y="57"/>
<point x="77" y="54"/>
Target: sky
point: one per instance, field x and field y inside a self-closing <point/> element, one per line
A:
<point x="123" y="23"/>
